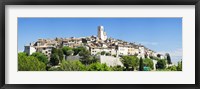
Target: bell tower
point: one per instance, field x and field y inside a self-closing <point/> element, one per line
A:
<point x="101" y="33"/>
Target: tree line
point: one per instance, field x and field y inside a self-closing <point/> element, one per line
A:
<point x="39" y="62"/>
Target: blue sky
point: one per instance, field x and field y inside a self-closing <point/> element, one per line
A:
<point x="159" y="34"/>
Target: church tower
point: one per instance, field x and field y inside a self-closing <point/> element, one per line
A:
<point x="101" y="34"/>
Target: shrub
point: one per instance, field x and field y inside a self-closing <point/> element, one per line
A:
<point x="149" y="63"/>
<point x="72" y="66"/>
<point x="103" y="53"/>
<point x="41" y="57"/>
<point x="130" y="62"/>
<point x="98" y="67"/>
<point x="54" y="60"/>
<point x="179" y="67"/>
<point x="29" y="63"/>
<point x="117" y="68"/>
<point x="161" y="64"/>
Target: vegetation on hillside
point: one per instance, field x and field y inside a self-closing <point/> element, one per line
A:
<point x="87" y="62"/>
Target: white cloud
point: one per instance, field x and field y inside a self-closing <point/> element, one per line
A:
<point x="149" y="43"/>
<point x="175" y="53"/>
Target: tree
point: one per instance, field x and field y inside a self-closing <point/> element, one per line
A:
<point x="103" y="53"/>
<point x="148" y="63"/>
<point x="41" y="57"/>
<point x="67" y="50"/>
<point x="114" y="55"/>
<point x="179" y="66"/>
<point x="77" y="50"/>
<point x="54" y="69"/>
<point x="60" y="54"/>
<point x="145" y="55"/>
<point x="22" y="54"/>
<point x="151" y="57"/>
<point x="54" y="59"/>
<point x="108" y="54"/>
<point x="29" y="63"/>
<point x="94" y="59"/>
<point x="161" y="64"/>
<point x="158" y="55"/>
<point x="130" y="62"/>
<point x="117" y="68"/>
<point x="86" y="58"/>
<point x="172" y="68"/>
<point x="54" y="51"/>
<point x="141" y="67"/>
<point x="98" y="67"/>
<point x="72" y="66"/>
<point x="168" y="58"/>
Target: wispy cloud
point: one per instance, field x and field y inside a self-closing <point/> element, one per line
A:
<point x="175" y="53"/>
<point x="149" y="43"/>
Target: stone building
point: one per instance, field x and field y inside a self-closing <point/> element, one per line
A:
<point x="95" y="44"/>
<point x="101" y="33"/>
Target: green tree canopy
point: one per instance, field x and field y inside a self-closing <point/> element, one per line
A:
<point x="41" y="57"/>
<point x="78" y="49"/>
<point x="67" y="50"/>
<point x="98" y="67"/>
<point x="179" y="66"/>
<point x="148" y="63"/>
<point x="158" y="55"/>
<point x="60" y="54"/>
<point x="141" y="66"/>
<point x="22" y="54"/>
<point x="54" y="60"/>
<point x="172" y="68"/>
<point x="72" y="66"/>
<point x="130" y="62"/>
<point x="103" y="53"/>
<point x="161" y="64"/>
<point x="108" y="54"/>
<point x="30" y="63"/>
<point x="117" y="68"/>
<point x="86" y="58"/>
<point x="168" y="58"/>
<point x="54" y="69"/>
<point x="54" y="51"/>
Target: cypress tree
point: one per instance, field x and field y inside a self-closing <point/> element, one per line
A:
<point x="168" y="58"/>
<point x="141" y="65"/>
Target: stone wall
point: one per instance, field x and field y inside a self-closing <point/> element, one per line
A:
<point x="110" y="60"/>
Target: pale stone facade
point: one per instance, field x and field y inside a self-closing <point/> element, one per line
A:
<point x="110" y="60"/>
<point x="29" y="49"/>
<point x="101" y="34"/>
<point x="95" y="51"/>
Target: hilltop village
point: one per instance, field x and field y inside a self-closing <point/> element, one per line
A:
<point x="115" y="48"/>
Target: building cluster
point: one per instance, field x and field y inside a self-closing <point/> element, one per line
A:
<point x="95" y="44"/>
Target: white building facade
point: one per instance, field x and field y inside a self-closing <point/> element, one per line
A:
<point x="101" y="34"/>
<point x="29" y="49"/>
